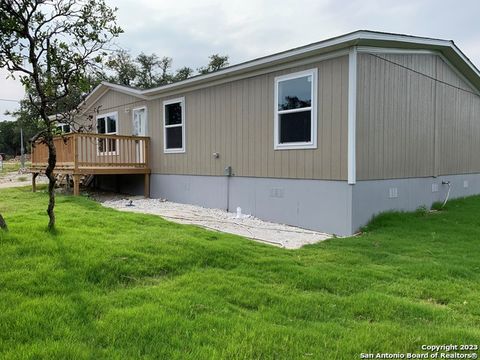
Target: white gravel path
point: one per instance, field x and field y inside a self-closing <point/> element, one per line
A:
<point x="289" y="237"/>
<point x="11" y="179"/>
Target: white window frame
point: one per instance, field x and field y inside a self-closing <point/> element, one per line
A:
<point x="61" y="126"/>
<point x="112" y="114"/>
<point x="312" y="144"/>
<point x="165" y="127"/>
<point x="146" y="118"/>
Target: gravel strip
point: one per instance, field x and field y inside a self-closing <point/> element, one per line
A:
<point x="15" y="179"/>
<point x="285" y="236"/>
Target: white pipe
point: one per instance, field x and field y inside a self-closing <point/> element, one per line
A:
<point x="448" y="192"/>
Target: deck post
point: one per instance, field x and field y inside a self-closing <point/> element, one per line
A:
<point x="75" y="153"/>
<point x="34" y="183"/>
<point x="146" y="188"/>
<point x="76" y="184"/>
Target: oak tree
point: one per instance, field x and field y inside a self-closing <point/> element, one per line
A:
<point x="52" y="46"/>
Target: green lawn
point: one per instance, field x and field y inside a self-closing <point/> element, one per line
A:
<point x="11" y="167"/>
<point x="112" y="285"/>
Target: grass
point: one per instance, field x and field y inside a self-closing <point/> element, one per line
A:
<point x="112" y="285"/>
<point x="9" y="167"/>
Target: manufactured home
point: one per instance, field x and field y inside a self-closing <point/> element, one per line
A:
<point x="322" y="136"/>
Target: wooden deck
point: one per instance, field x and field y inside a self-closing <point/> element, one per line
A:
<point x="82" y="154"/>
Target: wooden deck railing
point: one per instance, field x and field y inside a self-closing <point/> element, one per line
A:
<point x="95" y="154"/>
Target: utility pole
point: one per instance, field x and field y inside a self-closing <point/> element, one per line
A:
<point x="1" y="160"/>
<point x="22" y="150"/>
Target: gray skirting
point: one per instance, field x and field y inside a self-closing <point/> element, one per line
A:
<point x="328" y="206"/>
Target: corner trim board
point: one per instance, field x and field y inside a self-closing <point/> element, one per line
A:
<point x="352" y="114"/>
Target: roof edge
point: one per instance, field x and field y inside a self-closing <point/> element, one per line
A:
<point x="331" y="44"/>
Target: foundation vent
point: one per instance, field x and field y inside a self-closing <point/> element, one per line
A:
<point x="393" y="193"/>
<point x="276" y="193"/>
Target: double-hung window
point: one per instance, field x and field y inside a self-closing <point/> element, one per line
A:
<point x="296" y="110"/>
<point x="174" y="125"/>
<point x="107" y="124"/>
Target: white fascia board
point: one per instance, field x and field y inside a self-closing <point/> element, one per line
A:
<point x="346" y="40"/>
<point x="355" y="38"/>
<point x="251" y="65"/>
<point x="420" y="41"/>
<point x="369" y="35"/>
<point x="106" y="86"/>
<point x="424" y="41"/>
<point x="119" y="88"/>
<point x="93" y="92"/>
<point x="465" y="59"/>
<point x="292" y="53"/>
<point x="98" y="96"/>
<point x="126" y="90"/>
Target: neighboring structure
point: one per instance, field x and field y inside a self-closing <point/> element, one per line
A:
<point x="322" y="137"/>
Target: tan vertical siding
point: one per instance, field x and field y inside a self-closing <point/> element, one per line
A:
<point x="123" y="104"/>
<point x="401" y="114"/>
<point x="458" y="116"/>
<point x="236" y="120"/>
<point x="408" y="125"/>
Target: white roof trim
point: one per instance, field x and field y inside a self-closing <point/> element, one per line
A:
<point x="109" y="86"/>
<point x="341" y="41"/>
<point x="126" y="89"/>
<point x="93" y="92"/>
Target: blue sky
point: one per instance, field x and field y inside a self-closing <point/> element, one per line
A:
<point x="189" y="31"/>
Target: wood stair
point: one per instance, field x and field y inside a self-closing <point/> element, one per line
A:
<point x="66" y="181"/>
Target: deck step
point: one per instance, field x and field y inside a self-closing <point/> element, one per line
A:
<point x="86" y="180"/>
<point x="65" y="180"/>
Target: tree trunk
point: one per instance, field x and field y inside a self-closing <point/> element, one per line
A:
<point x="52" y="160"/>
<point x="3" y="224"/>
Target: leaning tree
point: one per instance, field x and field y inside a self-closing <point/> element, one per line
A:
<point x="53" y="46"/>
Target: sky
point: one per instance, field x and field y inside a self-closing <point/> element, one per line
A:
<point x="191" y="30"/>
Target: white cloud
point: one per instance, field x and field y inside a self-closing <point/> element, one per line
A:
<point x="10" y="89"/>
<point x="189" y="31"/>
